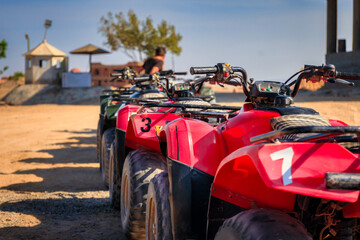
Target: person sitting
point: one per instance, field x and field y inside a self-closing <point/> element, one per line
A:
<point x="154" y="64"/>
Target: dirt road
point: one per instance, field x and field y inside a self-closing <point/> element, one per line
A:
<point x="50" y="184"/>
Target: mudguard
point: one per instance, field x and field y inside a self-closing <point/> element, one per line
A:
<point x="103" y="103"/>
<point x="110" y="111"/>
<point x="194" y="143"/>
<point x="124" y="115"/>
<point x="122" y="120"/>
<point x="238" y="130"/>
<point x="101" y="119"/>
<point x="194" y="149"/>
<point x="337" y="123"/>
<point x="270" y="175"/>
<point x="119" y="157"/>
<point x="142" y="129"/>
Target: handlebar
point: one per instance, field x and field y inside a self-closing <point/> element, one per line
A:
<point x="170" y="73"/>
<point x="203" y="70"/>
<point x="116" y="74"/>
<point x="348" y="76"/>
<point x="142" y="78"/>
<point x="216" y="69"/>
<point x="327" y="72"/>
<point x="224" y="73"/>
<point x="179" y="73"/>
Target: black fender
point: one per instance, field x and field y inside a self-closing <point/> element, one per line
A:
<point x="101" y="117"/>
<point x="119" y="157"/>
<point x="189" y="198"/>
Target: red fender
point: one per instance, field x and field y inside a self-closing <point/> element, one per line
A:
<point x="337" y="123"/>
<point x="271" y="174"/>
<point x="238" y="130"/>
<point x="141" y="130"/>
<point x="194" y="143"/>
<point x="123" y="116"/>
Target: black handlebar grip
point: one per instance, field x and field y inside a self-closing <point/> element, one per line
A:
<point x="179" y="73"/>
<point x="348" y="76"/>
<point x="203" y="70"/>
<point x="166" y="72"/>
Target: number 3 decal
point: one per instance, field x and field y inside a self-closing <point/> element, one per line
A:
<point x="287" y="155"/>
<point x="147" y="129"/>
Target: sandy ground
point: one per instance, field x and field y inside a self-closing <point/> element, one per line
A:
<point x="50" y="184"/>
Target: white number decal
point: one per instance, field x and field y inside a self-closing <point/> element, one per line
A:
<point x="287" y="156"/>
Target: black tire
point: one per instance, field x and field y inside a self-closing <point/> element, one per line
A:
<point x="158" y="218"/>
<point x="139" y="168"/>
<point x="262" y="224"/>
<point x="107" y="139"/>
<point x="114" y="180"/>
<point x="98" y="142"/>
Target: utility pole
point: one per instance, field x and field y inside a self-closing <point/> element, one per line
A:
<point x="47" y="25"/>
<point x="28" y="41"/>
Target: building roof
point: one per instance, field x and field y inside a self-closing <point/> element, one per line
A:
<point x="45" y="49"/>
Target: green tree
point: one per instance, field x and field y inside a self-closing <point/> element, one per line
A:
<point x="3" y="48"/>
<point x="16" y="76"/>
<point x="137" y="37"/>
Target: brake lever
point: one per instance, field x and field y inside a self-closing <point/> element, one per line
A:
<point x="114" y="79"/>
<point x="342" y="81"/>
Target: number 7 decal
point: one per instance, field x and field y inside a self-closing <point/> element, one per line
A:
<point x="287" y="155"/>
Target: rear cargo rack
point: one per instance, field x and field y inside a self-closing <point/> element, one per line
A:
<point x="322" y="133"/>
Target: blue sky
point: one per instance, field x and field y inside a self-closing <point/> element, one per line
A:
<point x="270" y="39"/>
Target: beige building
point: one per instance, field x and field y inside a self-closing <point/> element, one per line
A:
<point x="44" y="64"/>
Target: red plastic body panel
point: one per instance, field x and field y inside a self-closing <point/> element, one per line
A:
<point x="141" y="131"/>
<point x="337" y="123"/>
<point x="237" y="181"/>
<point x="123" y="116"/>
<point x="247" y="107"/>
<point x="165" y="109"/>
<point x="285" y="168"/>
<point x="194" y="143"/>
<point x="238" y="130"/>
<point x="352" y="210"/>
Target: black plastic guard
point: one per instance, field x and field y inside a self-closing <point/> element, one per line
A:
<point x="289" y="110"/>
<point x="119" y="149"/>
<point x="219" y="211"/>
<point x="189" y="198"/>
<point x="101" y="124"/>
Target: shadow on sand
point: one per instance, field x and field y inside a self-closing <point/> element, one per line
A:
<point x="70" y="202"/>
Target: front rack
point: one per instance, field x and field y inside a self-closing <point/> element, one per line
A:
<point x="322" y="133"/>
<point x="191" y="114"/>
<point x="120" y="91"/>
<point x="138" y="100"/>
<point x="185" y="106"/>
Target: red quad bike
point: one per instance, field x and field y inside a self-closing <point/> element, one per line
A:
<point x="274" y="171"/>
<point x="146" y="90"/>
<point x="136" y="138"/>
<point x="142" y="91"/>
